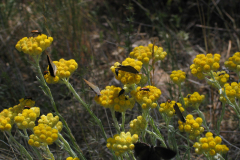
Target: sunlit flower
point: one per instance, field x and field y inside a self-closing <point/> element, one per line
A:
<point x="122" y="143"/>
<point x="34" y="45"/>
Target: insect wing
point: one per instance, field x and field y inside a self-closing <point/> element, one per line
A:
<point x="179" y="113"/>
<point x="164" y="153"/>
<point x="121" y="92"/>
<point x="36" y="32"/>
<point x="128" y="69"/>
<point x="52" y="67"/>
<point x="144" y="89"/>
<point x="142" y="150"/>
<point x="116" y="71"/>
<point x="27" y="107"/>
<point x="93" y="87"/>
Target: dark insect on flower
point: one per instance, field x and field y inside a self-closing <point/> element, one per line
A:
<point x="121" y="92"/>
<point x="189" y="96"/>
<point x="27" y="107"/>
<point x="179" y="113"/>
<point x="148" y="152"/>
<point x="144" y="89"/>
<point x="116" y="71"/>
<point x="127" y="69"/>
<point x="36" y="32"/>
<point x="221" y="74"/>
<point x="93" y="87"/>
<point x="52" y="67"/>
<point x="27" y="98"/>
<point x="126" y="98"/>
<point x="45" y="72"/>
<point x="169" y="100"/>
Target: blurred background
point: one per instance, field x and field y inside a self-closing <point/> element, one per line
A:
<point x="98" y="33"/>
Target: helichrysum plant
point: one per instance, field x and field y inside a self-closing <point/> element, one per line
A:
<point x="122" y="142"/>
<point x="138" y="88"/>
<point x="192" y="126"/>
<point x="210" y="145"/>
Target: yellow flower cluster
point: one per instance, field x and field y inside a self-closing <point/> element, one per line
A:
<point x="233" y="62"/>
<point x="204" y="64"/>
<point x="232" y="91"/>
<point x="122" y="143"/>
<point x="43" y="135"/>
<point x="191" y="126"/>
<point x="193" y="99"/>
<point x="51" y="121"/>
<point x="221" y="77"/>
<point x="109" y="99"/>
<point x="147" y="98"/>
<point x="23" y="102"/>
<point x="34" y="45"/>
<point x="6" y="120"/>
<point x="178" y="76"/>
<point x="64" y="70"/>
<point x="71" y="158"/>
<point x="127" y="77"/>
<point x="210" y="145"/>
<point x="144" y="54"/>
<point x="168" y="108"/>
<point x="137" y="125"/>
<point x="27" y="118"/>
<point x="7" y="115"/>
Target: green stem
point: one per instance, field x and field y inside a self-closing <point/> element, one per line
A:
<point x="115" y="121"/>
<point x="22" y="149"/>
<point x="224" y="94"/>
<point x="147" y="72"/>
<point x="67" y="146"/>
<point x="157" y="137"/>
<point x="221" y="118"/>
<point x="47" y="90"/>
<point x="49" y="153"/>
<point x="98" y="121"/>
<point x="158" y="134"/>
<point x="203" y="118"/>
<point x="132" y="155"/>
<point x="33" y="147"/>
<point x="123" y="121"/>
<point x="188" y="151"/>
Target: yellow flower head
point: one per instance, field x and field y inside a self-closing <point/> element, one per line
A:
<point x="27" y="118"/>
<point x="7" y="115"/>
<point x="168" y="108"/>
<point x="137" y="125"/>
<point x="193" y="100"/>
<point x="122" y="143"/>
<point x="6" y="120"/>
<point x="210" y="145"/>
<point x="204" y="64"/>
<point x="233" y="62"/>
<point x="51" y="121"/>
<point x="147" y="96"/>
<point x="144" y="54"/>
<point x="34" y="45"/>
<point x="232" y="91"/>
<point x="110" y="99"/>
<point x="221" y="77"/>
<point x="71" y="158"/>
<point x="192" y="126"/>
<point x="43" y="134"/>
<point x="128" y="77"/>
<point x="65" y="69"/>
<point x="178" y="76"/>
